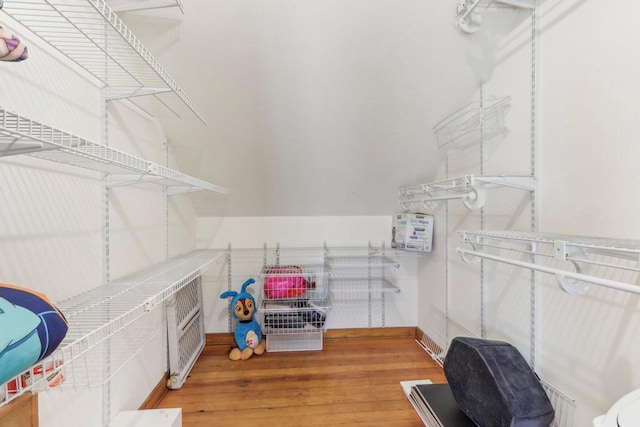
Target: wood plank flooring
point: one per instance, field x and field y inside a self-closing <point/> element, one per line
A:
<point x="354" y="380"/>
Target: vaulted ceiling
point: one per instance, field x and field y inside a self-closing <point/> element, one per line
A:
<point x="313" y="107"/>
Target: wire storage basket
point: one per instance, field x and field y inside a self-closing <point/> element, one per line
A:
<point x="294" y="281"/>
<point x="473" y="123"/>
<point x="295" y="299"/>
<point x="294" y="325"/>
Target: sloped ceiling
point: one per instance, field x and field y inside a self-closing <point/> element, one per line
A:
<point x="313" y="107"/>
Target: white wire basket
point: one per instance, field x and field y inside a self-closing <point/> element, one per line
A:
<point x="293" y="317"/>
<point x="473" y="123"/>
<point x="304" y="341"/>
<point x="294" y="282"/>
<point x="295" y="324"/>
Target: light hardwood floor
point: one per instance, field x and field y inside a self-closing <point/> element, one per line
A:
<point x="354" y="380"/>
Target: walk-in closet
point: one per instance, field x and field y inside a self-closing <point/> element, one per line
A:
<point x="397" y="178"/>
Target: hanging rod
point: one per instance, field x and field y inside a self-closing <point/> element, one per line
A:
<point x="561" y="275"/>
<point x="472" y="199"/>
<point x="469" y="188"/>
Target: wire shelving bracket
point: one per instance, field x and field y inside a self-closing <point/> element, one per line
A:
<point x="91" y="35"/>
<point x="469" y="188"/>
<point x="469" y="18"/>
<point x="580" y="251"/>
<point x="21" y="135"/>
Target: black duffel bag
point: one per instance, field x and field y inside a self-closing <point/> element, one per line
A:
<point x="494" y="385"/>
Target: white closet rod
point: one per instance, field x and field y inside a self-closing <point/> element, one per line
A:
<point x="560" y="274"/>
<point x="471" y="194"/>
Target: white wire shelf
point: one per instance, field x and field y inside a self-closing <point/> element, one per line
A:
<point x="469" y="16"/>
<point x="101" y="314"/>
<point x="131" y="5"/>
<point x="469" y="188"/>
<point x="360" y="261"/>
<point x="477" y="121"/>
<point x="90" y="34"/>
<point x="362" y="286"/>
<point x="294" y="317"/>
<point x="585" y="254"/>
<point x="21" y="135"/>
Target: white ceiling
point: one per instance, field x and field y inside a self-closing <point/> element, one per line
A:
<point x="314" y="107"/>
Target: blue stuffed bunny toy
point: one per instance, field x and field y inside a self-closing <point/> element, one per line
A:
<point x="248" y="334"/>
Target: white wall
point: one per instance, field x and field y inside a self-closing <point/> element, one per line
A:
<point x="52" y="223"/>
<point x="586" y="157"/>
<point x="315" y="107"/>
<point x="589" y="157"/>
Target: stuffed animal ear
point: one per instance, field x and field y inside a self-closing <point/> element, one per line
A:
<point x="247" y="283"/>
<point x="228" y="294"/>
<point x="11" y="48"/>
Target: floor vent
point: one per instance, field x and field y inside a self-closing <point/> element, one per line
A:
<point x="563" y="405"/>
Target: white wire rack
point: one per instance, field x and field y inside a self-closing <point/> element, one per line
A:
<point x="469" y="18"/>
<point x="91" y="34"/>
<point x="475" y="122"/>
<point x="362" y="277"/>
<point x="337" y="263"/>
<point x="130" y="5"/>
<point x="362" y="286"/>
<point x="88" y="369"/>
<point x="294" y="281"/>
<point x="292" y="317"/>
<point x="292" y="293"/>
<point x="356" y="275"/>
<point x="469" y="188"/>
<point x="292" y="322"/>
<point x="21" y="135"/>
<point x="100" y="317"/>
<point x="592" y="259"/>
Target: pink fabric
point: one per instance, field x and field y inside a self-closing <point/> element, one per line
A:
<point x="285" y="281"/>
<point x="11" y="48"/>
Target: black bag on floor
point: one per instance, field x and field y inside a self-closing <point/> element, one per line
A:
<point x="493" y="384"/>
